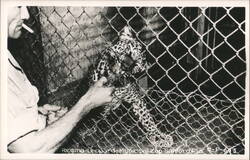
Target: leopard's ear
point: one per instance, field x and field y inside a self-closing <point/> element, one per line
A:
<point x="126" y="33"/>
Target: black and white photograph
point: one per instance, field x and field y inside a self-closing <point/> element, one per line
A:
<point x="125" y="79"/>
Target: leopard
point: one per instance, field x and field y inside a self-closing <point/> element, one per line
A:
<point x="120" y="63"/>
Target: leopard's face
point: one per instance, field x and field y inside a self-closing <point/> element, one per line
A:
<point x="121" y="61"/>
<point x="128" y="55"/>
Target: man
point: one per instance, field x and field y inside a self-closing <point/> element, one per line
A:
<point x="27" y="130"/>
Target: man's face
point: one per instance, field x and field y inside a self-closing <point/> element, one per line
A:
<point x="16" y="15"/>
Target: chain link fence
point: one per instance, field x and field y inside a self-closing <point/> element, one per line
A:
<point x="194" y="87"/>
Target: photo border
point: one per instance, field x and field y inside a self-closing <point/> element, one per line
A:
<point x="194" y="3"/>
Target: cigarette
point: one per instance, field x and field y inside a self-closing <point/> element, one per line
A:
<point x="27" y="28"/>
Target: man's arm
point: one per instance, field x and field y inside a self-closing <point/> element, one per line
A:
<point x="50" y="138"/>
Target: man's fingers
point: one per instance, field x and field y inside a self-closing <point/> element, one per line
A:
<point x="101" y="81"/>
<point x="43" y="110"/>
<point x="49" y="107"/>
<point x="112" y="89"/>
<point x="61" y="112"/>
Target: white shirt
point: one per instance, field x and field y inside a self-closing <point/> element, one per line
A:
<point x="22" y="98"/>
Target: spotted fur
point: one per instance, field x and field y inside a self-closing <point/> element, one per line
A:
<point x="119" y="64"/>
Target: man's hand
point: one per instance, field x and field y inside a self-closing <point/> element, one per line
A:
<point x="50" y="138"/>
<point x="52" y="112"/>
<point x="98" y="94"/>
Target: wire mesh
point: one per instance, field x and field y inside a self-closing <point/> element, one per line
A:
<point x="194" y="87"/>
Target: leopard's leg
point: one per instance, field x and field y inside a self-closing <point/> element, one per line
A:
<point x="132" y="96"/>
<point x="120" y="94"/>
<point x="112" y="106"/>
<point x="156" y="137"/>
<point x="163" y="140"/>
<point x="117" y="97"/>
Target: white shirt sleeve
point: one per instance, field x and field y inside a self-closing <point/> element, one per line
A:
<point x="22" y="98"/>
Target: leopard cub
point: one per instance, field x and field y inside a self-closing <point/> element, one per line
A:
<point x="120" y="63"/>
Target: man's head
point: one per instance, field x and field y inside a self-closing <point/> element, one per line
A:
<point x="16" y="15"/>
